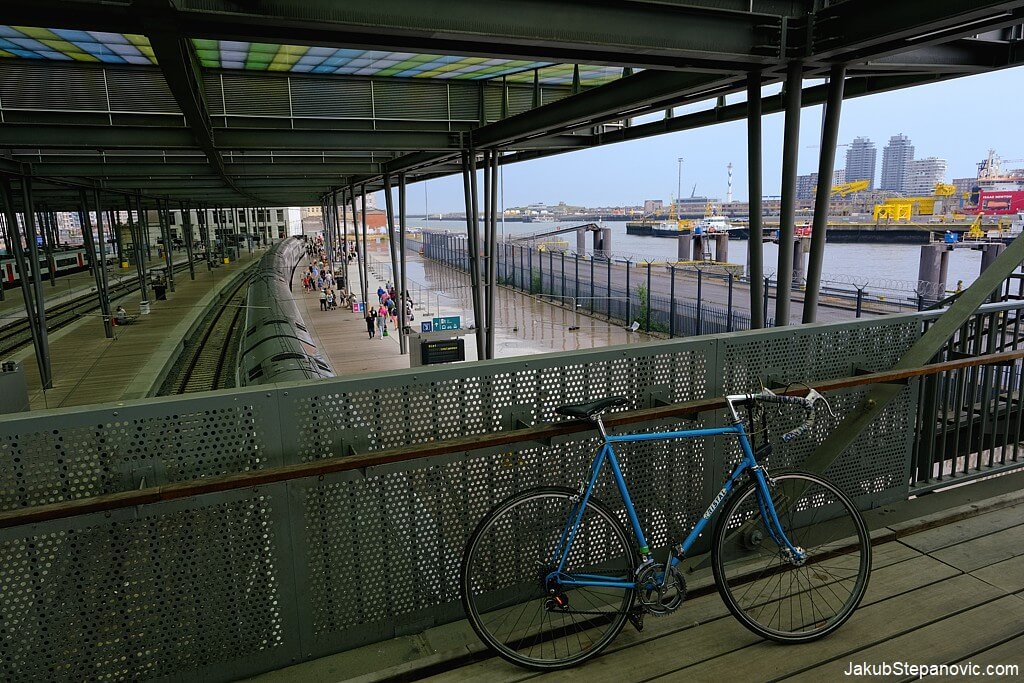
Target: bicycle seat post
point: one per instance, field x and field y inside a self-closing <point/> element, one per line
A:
<point x="600" y="425"/>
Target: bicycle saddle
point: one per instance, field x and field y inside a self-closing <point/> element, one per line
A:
<point x="583" y="410"/>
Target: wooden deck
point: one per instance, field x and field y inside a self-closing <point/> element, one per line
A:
<point x="946" y="588"/>
<point x="89" y="368"/>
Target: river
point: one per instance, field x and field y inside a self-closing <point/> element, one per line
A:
<point x="881" y="267"/>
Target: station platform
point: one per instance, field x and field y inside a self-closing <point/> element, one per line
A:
<point x="947" y="587"/>
<point x="74" y="285"/>
<point x="525" y="325"/>
<point x="89" y="368"/>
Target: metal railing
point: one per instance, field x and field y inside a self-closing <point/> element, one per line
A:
<point x="223" y="534"/>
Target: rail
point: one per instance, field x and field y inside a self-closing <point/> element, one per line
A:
<point x="159" y="494"/>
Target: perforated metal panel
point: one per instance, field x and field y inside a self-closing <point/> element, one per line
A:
<point x="228" y="584"/>
<point x="87" y="453"/>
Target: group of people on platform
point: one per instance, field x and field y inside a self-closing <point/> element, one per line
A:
<point x="320" y="278"/>
<point x="387" y="309"/>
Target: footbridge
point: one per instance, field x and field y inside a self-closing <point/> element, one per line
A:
<point x="312" y="530"/>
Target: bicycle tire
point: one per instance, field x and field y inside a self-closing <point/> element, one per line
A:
<point x="774" y="597"/>
<point x="502" y="579"/>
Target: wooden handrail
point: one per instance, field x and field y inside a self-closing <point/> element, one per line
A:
<point x="274" y="475"/>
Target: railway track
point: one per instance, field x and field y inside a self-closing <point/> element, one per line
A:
<point x="209" y="356"/>
<point x="18" y="334"/>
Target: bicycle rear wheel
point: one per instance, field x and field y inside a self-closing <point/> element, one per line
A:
<point x="504" y="568"/>
<point x="769" y="594"/>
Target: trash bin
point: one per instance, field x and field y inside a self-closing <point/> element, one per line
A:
<point x="160" y="290"/>
<point x="143" y="308"/>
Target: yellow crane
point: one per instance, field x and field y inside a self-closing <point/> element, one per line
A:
<point x="850" y="187"/>
<point x="976" y="233"/>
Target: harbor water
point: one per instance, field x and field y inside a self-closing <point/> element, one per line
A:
<point x="878" y="267"/>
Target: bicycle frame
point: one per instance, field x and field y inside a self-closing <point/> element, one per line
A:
<point x="607" y="454"/>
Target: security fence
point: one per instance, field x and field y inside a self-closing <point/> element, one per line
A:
<point x="229" y="583"/>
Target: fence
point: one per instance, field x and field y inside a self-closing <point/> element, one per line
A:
<point x="235" y="582"/>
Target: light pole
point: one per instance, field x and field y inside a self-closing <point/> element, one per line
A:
<point x="679" y="186"/>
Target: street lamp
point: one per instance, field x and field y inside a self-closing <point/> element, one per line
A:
<point x="679" y="186"/>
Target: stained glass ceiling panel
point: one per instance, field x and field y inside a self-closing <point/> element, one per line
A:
<point x="96" y="46"/>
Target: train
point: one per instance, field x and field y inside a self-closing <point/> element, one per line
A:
<point x="275" y="344"/>
<point x="67" y="261"/>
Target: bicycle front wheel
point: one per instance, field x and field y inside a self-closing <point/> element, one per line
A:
<point x="514" y="607"/>
<point x="763" y="587"/>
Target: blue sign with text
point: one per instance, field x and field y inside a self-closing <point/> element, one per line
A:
<point x="451" y="322"/>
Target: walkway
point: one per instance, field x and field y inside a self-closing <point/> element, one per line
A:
<point x="89" y="368"/>
<point x="524" y="324"/>
<point x="947" y="587"/>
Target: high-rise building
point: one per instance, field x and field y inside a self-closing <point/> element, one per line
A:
<point x="860" y="161"/>
<point x="895" y="157"/>
<point x="923" y="174"/>
<point x="805" y="185"/>
<point x="839" y="176"/>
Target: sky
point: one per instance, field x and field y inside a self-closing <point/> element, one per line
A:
<point x="957" y="120"/>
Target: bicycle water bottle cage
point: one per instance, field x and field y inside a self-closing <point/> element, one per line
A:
<point x="588" y="410"/>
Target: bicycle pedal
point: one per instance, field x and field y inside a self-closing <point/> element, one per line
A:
<point x="636" y="617"/>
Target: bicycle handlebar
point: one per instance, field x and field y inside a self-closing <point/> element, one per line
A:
<point x="766" y="396"/>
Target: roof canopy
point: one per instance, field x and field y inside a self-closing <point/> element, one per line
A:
<point x="220" y="102"/>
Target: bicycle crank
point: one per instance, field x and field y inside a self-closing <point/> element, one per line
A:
<point x="658" y="593"/>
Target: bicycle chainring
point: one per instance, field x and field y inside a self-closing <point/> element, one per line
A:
<point x="664" y="598"/>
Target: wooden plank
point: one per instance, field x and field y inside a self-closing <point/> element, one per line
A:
<point x="944" y="641"/>
<point x="983" y="551"/>
<point x="1008" y="574"/>
<point x="726" y="640"/>
<point x="965" y="529"/>
<point x="876" y="623"/>
<point x="1008" y="653"/>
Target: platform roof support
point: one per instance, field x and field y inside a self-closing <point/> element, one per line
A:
<point x="389" y="202"/>
<point x="140" y="260"/>
<point x="104" y="291"/>
<point x="826" y="163"/>
<point x="36" y="317"/>
<point x="492" y="252"/>
<point x="366" y="272"/>
<point x="755" y="248"/>
<point x="787" y="212"/>
<point x="401" y="286"/>
<point x="97" y="261"/>
<point x="165" y="234"/>
<point x="186" y="229"/>
<point x="473" y="244"/>
<point x="37" y="277"/>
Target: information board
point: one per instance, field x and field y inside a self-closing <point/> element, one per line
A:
<point x="426" y="326"/>
<point x="443" y="351"/>
<point x="448" y="323"/>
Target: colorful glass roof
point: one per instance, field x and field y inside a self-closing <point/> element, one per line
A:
<point x="83" y="46"/>
<point x="97" y="46"/>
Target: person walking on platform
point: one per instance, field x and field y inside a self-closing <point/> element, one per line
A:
<point x="371" y="321"/>
<point x="323" y="299"/>
<point x="382" y="321"/>
<point x="380" y="294"/>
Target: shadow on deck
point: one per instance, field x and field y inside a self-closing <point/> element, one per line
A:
<point x="947" y="587"/>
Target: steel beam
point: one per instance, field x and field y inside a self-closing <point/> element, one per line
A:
<point x="787" y="212"/>
<point x="826" y="163"/>
<point x="648" y="35"/>
<point x="755" y="245"/>
<point x="401" y="286"/>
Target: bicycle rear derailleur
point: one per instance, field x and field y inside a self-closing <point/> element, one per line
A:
<point x="658" y="593"/>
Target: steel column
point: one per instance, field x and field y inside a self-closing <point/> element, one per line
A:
<point x="492" y="251"/>
<point x="97" y="264"/>
<point x="165" y="230"/>
<point x="104" y="292"/>
<point x="140" y="264"/>
<point x="469" y="190"/>
<point x="755" y="246"/>
<point x="25" y="273"/>
<point x="186" y="229"/>
<point x="787" y="213"/>
<point x="366" y="272"/>
<point x="37" y="281"/>
<point x="826" y="163"/>
<point x="46" y="234"/>
<point x="389" y="202"/>
<point x="401" y="286"/>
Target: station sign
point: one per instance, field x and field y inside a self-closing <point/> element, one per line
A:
<point x="426" y="326"/>
<point x="443" y="351"/>
<point x="447" y="323"/>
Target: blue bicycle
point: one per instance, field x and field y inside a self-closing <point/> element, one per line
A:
<point x="551" y="575"/>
